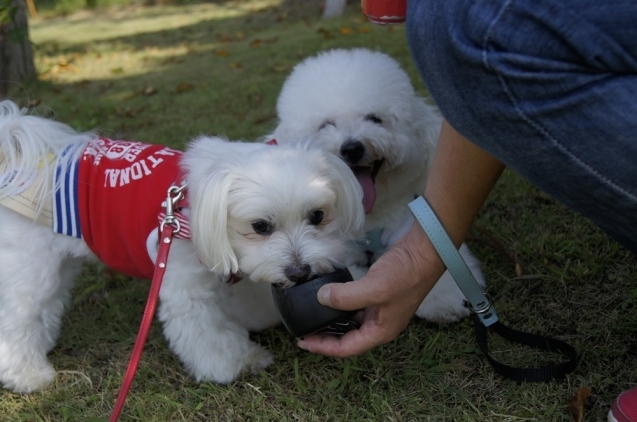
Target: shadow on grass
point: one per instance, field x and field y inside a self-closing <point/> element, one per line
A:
<point x="214" y="76"/>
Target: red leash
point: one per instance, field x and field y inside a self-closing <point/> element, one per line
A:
<point x="169" y="226"/>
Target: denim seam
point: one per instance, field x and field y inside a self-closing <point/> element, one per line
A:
<point x="532" y="122"/>
<point x="487" y="35"/>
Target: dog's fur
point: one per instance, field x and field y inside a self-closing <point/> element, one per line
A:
<point x="361" y="106"/>
<point x="206" y="321"/>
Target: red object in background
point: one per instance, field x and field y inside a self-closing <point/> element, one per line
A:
<point x="385" y="12"/>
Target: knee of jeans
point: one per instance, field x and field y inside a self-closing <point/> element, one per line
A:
<point x="524" y="38"/>
<point x="447" y="43"/>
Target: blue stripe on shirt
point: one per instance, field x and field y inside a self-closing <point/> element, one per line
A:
<point x="66" y="219"/>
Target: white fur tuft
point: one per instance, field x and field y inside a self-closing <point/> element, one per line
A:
<point x="26" y="141"/>
<point x="208" y="164"/>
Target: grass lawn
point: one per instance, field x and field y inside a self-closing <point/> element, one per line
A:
<point x="168" y="73"/>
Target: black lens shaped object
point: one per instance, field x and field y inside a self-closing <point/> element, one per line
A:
<point x="301" y="312"/>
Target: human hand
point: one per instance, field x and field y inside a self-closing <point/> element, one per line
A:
<point x="461" y="177"/>
<point x="388" y="295"/>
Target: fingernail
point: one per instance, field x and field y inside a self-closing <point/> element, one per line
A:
<point x="323" y="295"/>
<point x="300" y="344"/>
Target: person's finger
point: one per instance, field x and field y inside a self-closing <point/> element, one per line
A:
<point x="353" y="343"/>
<point x="359" y="316"/>
<point x="348" y="296"/>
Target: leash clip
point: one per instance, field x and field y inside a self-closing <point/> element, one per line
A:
<point x="174" y="195"/>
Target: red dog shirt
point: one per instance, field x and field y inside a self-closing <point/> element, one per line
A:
<point x="110" y="195"/>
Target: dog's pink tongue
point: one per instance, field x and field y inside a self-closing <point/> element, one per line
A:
<point x="364" y="177"/>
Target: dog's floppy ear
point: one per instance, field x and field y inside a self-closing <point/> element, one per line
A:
<point x="349" y="196"/>
<point x="209" y="180"/>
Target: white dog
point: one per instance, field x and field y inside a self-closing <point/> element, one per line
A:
<point x="269" y="214"/>
<point x="360" y="105"/>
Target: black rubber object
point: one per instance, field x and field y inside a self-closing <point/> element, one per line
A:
<point x="301" y="312"/>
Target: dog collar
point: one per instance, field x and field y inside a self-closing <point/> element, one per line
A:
<point x="371" y="242"/>
<point x="235" y="278"/>
<point x="181" y="213"/>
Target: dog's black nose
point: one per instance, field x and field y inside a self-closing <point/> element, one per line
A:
<point x="352" y="151"/>
<point x="298" y="274"/>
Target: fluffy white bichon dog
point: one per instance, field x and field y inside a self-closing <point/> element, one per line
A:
<point x="267" y="214"/>
<point x="361" y="106"/>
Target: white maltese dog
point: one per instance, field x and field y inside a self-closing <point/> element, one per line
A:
<point x="267" y="214"/>
<point x="360" y="105"/>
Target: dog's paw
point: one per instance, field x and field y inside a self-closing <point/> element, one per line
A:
<point x="445" y="303"/>
<point x="258" y="358"/>
<point x="442" y="312"/>
<point x="28" y="379"/>
<point x="227" y="367"/>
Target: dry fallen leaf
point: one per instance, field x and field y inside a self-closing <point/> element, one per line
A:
<point x="183" y="87"/>
<point x="130" y="112"/>
<point x="222" y="53"/>
<point x="150" y="90"/>
<point x="327" y="34"/>
<point x="32" y="103"/>
<point x="346" y="30"/>
<point x="279" y="68"/>
<point x="265" y="119"/>
<point x="576" y="406"/>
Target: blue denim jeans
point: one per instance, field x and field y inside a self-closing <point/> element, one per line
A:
<point x="549" y="87"/>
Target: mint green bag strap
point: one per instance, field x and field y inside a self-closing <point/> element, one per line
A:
<point x="485" y="316"/>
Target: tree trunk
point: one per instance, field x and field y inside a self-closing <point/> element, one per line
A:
<point x="16" y="55"/>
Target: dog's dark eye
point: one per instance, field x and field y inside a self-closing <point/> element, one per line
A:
<point x="325" y="123"/>
<point x="316" y="217"/>
<point x="374" y="119"/>
<point x="262" y="227"/>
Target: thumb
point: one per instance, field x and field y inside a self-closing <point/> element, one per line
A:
<point x="349" y="296"/>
